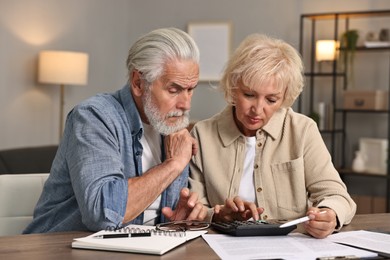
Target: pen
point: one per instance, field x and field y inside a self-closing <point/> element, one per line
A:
<point x="337" y="257"/>
<point x="122" y="235"/>
<point x="297" y="221"/>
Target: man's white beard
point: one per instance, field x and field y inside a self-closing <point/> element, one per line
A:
<point x="157" y="120"/>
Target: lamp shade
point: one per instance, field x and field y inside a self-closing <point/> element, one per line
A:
<point x="326" y="50"/>
<point x="63" y="67"/>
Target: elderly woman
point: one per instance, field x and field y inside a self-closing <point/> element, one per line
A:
<point x="259" y="158"/>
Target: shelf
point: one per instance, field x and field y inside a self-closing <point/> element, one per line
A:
<point x="324" y="74"/>
<point x="345" y="15"/>
<point x="363" y="48"/>
<point x="340" y="141"/>
<point x="328" y="131"/>
<point x="362" y="111"/>
<point x="349" y="172"/>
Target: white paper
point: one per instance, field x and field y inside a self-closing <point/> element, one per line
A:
<point x="293" y="246"/>
<point x="375" y="241"/>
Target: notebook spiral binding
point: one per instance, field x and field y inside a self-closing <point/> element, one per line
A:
<point x="132" y="230"/>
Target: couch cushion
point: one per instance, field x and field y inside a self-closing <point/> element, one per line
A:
<point x="19" y="194"/>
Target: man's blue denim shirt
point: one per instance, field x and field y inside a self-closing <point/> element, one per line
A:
<point x="87" y="186"/>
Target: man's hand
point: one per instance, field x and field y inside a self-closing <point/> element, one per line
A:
<point x="236" y="209"/>
<point x="180" y="146"/>
<point x="188" y="208"/>
<point x="320" y="225"/>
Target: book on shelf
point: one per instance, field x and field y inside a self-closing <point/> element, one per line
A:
<point x="376" y="44"/>
<point x="155" y="242"/>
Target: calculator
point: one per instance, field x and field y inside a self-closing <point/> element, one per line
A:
<point x="252" y="228"/>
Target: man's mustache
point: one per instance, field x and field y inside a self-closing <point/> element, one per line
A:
<point x="178" y="113"/>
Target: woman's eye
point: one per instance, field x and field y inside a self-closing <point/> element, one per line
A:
<point x="248" y="94"/>
<point x="272" y="101"/>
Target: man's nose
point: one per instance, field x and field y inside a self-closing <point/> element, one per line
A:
<point x="185" y="100"/>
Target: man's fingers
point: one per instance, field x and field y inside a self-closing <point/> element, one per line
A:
<point x="192" y="200"/>
<point x="167" y="212"/>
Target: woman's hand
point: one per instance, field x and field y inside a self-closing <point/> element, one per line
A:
<point x="236" y="209"/>
<point x="321" y="224"/>
<point x="188" y="208"/>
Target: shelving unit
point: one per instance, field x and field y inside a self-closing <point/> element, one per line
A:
<point x="337" y="80"/>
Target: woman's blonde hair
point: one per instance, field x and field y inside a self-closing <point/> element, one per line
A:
<point x="258" y="60"/>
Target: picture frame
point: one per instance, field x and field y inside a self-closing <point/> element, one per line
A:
<point x="214" y="42"/>
<point x="374" y="151"/>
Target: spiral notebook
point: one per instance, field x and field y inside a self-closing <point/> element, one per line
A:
<point x="158" y="243"/>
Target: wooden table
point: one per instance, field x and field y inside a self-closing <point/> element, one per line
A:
<point x="58" y="245"/>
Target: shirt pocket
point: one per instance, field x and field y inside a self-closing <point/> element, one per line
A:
<point x="289" y="181"/>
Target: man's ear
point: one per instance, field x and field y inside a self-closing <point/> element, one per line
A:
<point x="137" y="83"/>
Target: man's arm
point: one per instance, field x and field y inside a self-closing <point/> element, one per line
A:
<point x="143" y="190"/>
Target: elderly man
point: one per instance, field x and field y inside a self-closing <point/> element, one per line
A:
<point x="124" y="156"/>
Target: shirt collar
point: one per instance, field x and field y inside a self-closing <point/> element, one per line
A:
<point x="229" y="132"/>
<point x="131" y="110"/>
<point x="274" y="126"/>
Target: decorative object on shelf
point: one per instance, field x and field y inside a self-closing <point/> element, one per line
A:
<point x="372" y="36"/>
<point x="384" y="35"/>
<point x="376" y="44"/>
<point x="322" y="115"/>
<point x="325" y="113"/>
<point x="375" y="40"/>
<point x="365" y="99"/>
<point x="349" y="41"/>
<point x="326" y="51"/>
<point x="63" y="67"/>
<point x="375" y="152"/>
<point x="358" y="163"/>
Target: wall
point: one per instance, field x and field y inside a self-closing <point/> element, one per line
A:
<point x="30" y="111"/>
<point x="105" y="29"/>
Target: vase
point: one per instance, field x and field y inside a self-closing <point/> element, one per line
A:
<point x="358" y="163"/>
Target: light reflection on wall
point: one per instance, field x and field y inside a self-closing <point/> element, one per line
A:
<point x="31" y="108"/>
<point x="33" y="21"/>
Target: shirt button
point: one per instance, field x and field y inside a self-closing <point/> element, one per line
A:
<point x="259" y="144"/>
<point x="259" y="189"/>
<point x="265" y="217"/>
<point x="137" y="153"/>
<point x="256" y="166"/>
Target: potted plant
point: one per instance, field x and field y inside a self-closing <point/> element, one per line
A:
<point x="349" y="41"/>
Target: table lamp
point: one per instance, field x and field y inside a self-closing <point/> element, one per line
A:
<point x="62" y="68"/>
<point x="326" y="50"/>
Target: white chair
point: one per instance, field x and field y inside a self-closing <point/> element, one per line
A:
<point x="19" y="194"/>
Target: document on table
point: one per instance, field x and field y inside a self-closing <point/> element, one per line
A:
<point x="291" y="247"/>
<point x="375" y="241"/>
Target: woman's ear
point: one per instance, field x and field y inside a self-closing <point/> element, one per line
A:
<point x="137" y="83"/>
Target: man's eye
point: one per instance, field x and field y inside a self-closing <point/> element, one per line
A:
<point x="173" y="90"/>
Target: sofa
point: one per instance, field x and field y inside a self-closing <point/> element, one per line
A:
<point x="19" y="194"/>
<point x="27" y="160"/>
